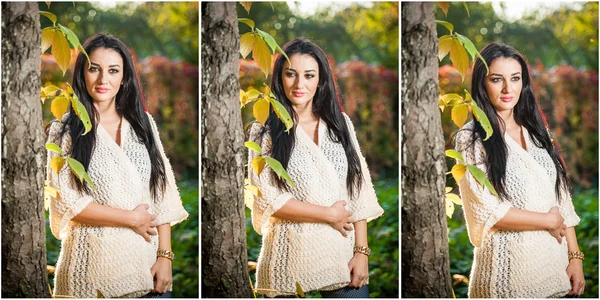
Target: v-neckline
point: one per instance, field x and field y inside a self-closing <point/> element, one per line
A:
<point x="523" y="135"/>
<point x="123" y="133"/>
<point x="319" y="134"/>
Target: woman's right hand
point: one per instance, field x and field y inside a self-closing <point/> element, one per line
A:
<point x="143" y="222"/>
<point x="340" y="217"/>
<point x="556" y="225"/>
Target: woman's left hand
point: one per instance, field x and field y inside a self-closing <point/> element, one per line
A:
<point x="359" y="270"/>
<point x="162" y="274"/>
<point x="575" y="273"/>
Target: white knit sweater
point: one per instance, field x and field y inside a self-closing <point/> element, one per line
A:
<point x="113" y="260"/>
<point x="514" y="264"/>
<point x="313" y="254"/>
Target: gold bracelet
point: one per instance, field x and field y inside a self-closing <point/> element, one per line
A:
<point x="362" y="249"/>
<point x="576" y="255"/>
<point x="166" y="254"/>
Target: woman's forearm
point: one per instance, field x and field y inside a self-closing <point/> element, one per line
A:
<point x="521" y="220"/>
<point x="164" y="236"/>
<point x="300" y="211"/>
<point x="571" y="239"/>
<point x="102" y="215"/>
<point x="360" y="233"/>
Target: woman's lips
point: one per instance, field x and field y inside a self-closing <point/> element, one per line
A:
<point x="101" y="90"/>
<point x="298" y="94"/>
<point x="506" y="99"/>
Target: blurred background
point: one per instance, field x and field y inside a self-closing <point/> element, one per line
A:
<point x="163" y="37"/>
<point x="560" y="41"/>
<point x="361" y="42"/>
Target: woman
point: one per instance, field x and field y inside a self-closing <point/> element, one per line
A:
<point x="525" y="243"/>
<point x="314" y="233"/>
<point x="116" y="238"/>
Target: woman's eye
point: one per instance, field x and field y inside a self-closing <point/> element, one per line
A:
<point x="496" y="79"/>
<point x="290" y="74"/>
<point x="309" y="76"/>
<point x="93" y="69"/>
<point x="516" y="78"/>
<point x="113" y="71"/>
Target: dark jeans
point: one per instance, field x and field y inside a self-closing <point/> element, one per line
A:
<point x="157" y="295"/>
<point x="345" y="292"/>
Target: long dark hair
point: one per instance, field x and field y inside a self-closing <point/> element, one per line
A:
<point x="129" y="104"/>
<point x="326" y="105"/>
<point x="527" y="113"/>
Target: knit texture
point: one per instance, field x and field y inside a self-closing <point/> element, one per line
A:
<point x="113" y="260"/>
<point x="313" y="254"/>
<point x="514" y="264"/>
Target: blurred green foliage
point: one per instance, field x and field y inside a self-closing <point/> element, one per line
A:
<point x="382" y="237"/>
<point x="184" y="242"/>
<point x="567" y="35"/>
<point x="165" y="28"/>
<point x="586" y="206"/>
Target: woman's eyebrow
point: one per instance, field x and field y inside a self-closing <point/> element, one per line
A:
<point x="111" y="66"/>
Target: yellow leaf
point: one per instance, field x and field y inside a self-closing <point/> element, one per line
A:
<point x="253" y="94"/>
<point x="459" y="58"/>
<point x="444" y="6"/>
<point x="444" y="47"/>
<point x="261" y="111"/>
<point x="442" y="104"/>
<point x="448" y="189"/>
<point x="460" y="113"/>
<point x="47" y="38"/>
<point x="51" y="191"/>
<point x="246" y="44"/>
<point x="59" y="106"/>
<point x="246" y="6"/>
<point x="253" y="190"/>
<point x="248" y="199"/>
<point x="458" y="171"/>
<point x="243" y="98"/>
<point x="262" y="55"/>
<point x="57" y="163"/>
<point x="452" y="99"/>
<point x="458" y="278"/>
<point x="61" y="51"/>
<point x="258" y="164"/>
<point x="449" y="208"/>
<point x="454" y="198"/>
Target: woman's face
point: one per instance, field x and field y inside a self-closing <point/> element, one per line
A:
<point x="104" y="78"/>
<point x="504" y="83"/>
<point x="300" y="80"/>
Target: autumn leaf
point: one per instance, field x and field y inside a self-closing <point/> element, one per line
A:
<point x="449" y="208"/>
<point x="57" y="163"/>
<point x="262" y="55"/>
<point x="246" y="44"/>
<point x="59" y="106"/>
<point x="460" y="113"/>
<point x="72" y="37"/>
<point x="454" y="198"/>
<point x="459" y="58"/>
<point x="448" y="25"/>
<point x="261" y="111"/>
<point x="47" y="38"/>
<point x="246" y="6"/>
<point x="444" y="6"/>
<point x="49" y="15"/>
<point x="61" y="52"/>
<point x="258" y="164"/>
<point x="458" y="171"/>
<point x="445" y="45"/>
<point x="268" y="39"/>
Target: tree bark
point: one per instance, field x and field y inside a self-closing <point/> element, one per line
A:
<point x="224" y="254"/>
<point x="24" y="272"/>
<point x="425" y="262"/>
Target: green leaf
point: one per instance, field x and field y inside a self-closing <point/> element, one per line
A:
<point x="258" y="164"/>
<point x="268" y="39"/>
<point x="470" y="47"/>
<point x="279" y="170"/>
<point x="460" y="113"/>
<point x="49" y="15"/>
<point x="454" y="154"/>
<point x="246" y="44"/>
<point x="247" y="21"/>
<point x="299" y="290"/>
<point x="59" y="107"/>
<point x="448" y="25"/>
<point x="72" y="37"/>
<point x="262" y="55"/>
<point x="467" y="9"/>
<point x="254" y="146"/>
<point x="282" y="114"/>
<point x="483" y="120"/>
<point x="261" y="111"/>
<point x="61" y="51"/>
<point x="47" y="38"/>
<point x="481" y="178"/>
<point x="82" y="113"/>
<point x="79" y="171"/>
<point x="445" y="44"/>
<point x="458" y="171"/>
<point x="54" y="148"/>
<point x="283" y="53"/>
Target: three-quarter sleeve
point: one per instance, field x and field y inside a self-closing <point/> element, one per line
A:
<point x="70" y="202"/>
<point x="364" y="205"/>
<point x="170" y="208"/>
<point x="482" y="209"/>
<point x="567" y="210"/>
<point x="271" y="198"/>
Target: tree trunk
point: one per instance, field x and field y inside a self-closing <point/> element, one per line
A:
<point x="425" y="262"/>
<point x="24" y="271"/>
<point x="224" y="255"/>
